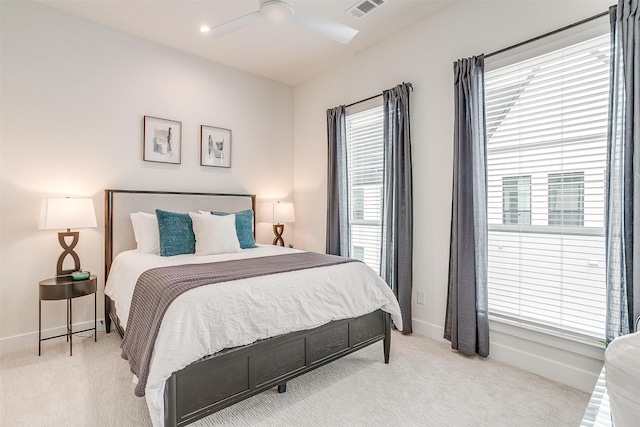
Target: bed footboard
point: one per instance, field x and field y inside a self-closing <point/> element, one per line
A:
<point x="228" y="377"/>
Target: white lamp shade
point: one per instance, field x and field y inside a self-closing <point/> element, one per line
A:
<point x="62" y="213"/>
<point x="278" y="212"/>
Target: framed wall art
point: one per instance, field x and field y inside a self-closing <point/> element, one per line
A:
<point x="215" y="146"/>
<point x="162" y="140"/>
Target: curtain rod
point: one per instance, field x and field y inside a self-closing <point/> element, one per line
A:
<point x="575" y="24"/>
<point x="364" y="100"/>
<point x="375" y="96"/>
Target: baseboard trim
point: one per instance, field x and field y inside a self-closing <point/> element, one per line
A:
<point x="30" y="340"/>
<point x="567" y="366"/>
<point x="429" y="330"/>
<point x="554" y="370"/>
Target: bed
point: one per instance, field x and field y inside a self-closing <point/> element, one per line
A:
<point x="225" y="372"/>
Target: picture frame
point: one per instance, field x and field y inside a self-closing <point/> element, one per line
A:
<point x="162" y="140"/>
<point x="215" y="147"/>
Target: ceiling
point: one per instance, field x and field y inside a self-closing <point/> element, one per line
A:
<point x="285" y="52"/>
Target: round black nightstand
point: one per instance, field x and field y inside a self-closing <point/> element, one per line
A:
<point x="60" y="288"/>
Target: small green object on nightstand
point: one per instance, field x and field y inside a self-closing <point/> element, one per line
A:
<point x="80" y="275"/>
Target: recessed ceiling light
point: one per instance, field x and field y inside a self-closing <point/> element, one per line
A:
<point x="205" y="29"/>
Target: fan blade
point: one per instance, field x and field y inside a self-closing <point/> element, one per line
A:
<point x="235" y="24"/>
<point x="331" y="29"/>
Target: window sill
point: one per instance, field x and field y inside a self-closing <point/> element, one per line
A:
<point x="591" y="348"/>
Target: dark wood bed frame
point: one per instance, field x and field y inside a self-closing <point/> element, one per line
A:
<point x="232" y="375"/>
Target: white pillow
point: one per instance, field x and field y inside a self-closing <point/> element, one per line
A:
<point x="145" y="230"/>
<point x="215" y="234"/>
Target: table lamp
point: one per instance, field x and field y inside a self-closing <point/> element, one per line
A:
<point x="67" y="213"/>
<point x="279" y="213"/>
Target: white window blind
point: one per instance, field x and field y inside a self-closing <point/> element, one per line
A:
<point x="546" y="124"/>
<point x="364" y="173"/>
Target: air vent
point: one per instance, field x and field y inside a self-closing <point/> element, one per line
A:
<point x="365" y="7"/>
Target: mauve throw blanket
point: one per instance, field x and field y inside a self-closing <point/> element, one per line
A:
<point x="158" y="287"/>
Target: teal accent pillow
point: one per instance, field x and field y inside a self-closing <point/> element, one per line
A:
<point x="176" y="233"/>
<point x="244" y="227"/>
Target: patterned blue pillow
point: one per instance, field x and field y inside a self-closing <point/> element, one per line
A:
<point x="176" y="233"/>
<point x="244" y="228"/>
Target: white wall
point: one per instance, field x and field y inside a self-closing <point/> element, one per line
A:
<point x="74" y="94"/>
<point x="424" y="55"/>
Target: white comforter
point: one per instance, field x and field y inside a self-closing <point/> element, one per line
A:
<point x="208" y="319"/>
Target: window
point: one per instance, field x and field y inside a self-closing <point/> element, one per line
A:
<point x="516" y="200"/>
<point x="566" y="199"/>
<point x="365" y="164"/>
<point x="357" y="206"/>
<point x="546" y="127"/>
<point x="357" y="252"/>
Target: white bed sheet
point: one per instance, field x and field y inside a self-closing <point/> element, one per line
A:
<point x="207" y="319"/>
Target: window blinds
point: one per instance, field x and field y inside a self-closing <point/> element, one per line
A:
<point x="546" y="124"/>
<point x="365" y="164"/>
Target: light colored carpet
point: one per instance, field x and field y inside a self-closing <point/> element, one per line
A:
<point x="426" y="384"/>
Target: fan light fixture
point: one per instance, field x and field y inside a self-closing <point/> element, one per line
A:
<point x="276" y="11"/>
<point x="279" y="11"/>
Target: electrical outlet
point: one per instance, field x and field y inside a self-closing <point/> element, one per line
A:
<point x="420" y="297"/>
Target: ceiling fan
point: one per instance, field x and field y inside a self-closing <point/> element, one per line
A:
<point x="276" y="11"/>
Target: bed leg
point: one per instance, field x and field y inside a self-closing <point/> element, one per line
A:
<point x="107" y="312"/>
<point x="282" y="388"/>
<point x="387" y="337"/>
<point x="170" y="399"/>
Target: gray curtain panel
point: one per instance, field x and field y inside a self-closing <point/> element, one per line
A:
<point x="396" y="259"/>
<point x="622" y="219"/>
<point x="467" y="322"/>
<point x="337" y="201"/>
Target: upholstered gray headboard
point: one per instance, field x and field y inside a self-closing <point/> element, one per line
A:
<point x="119" y="204"/>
